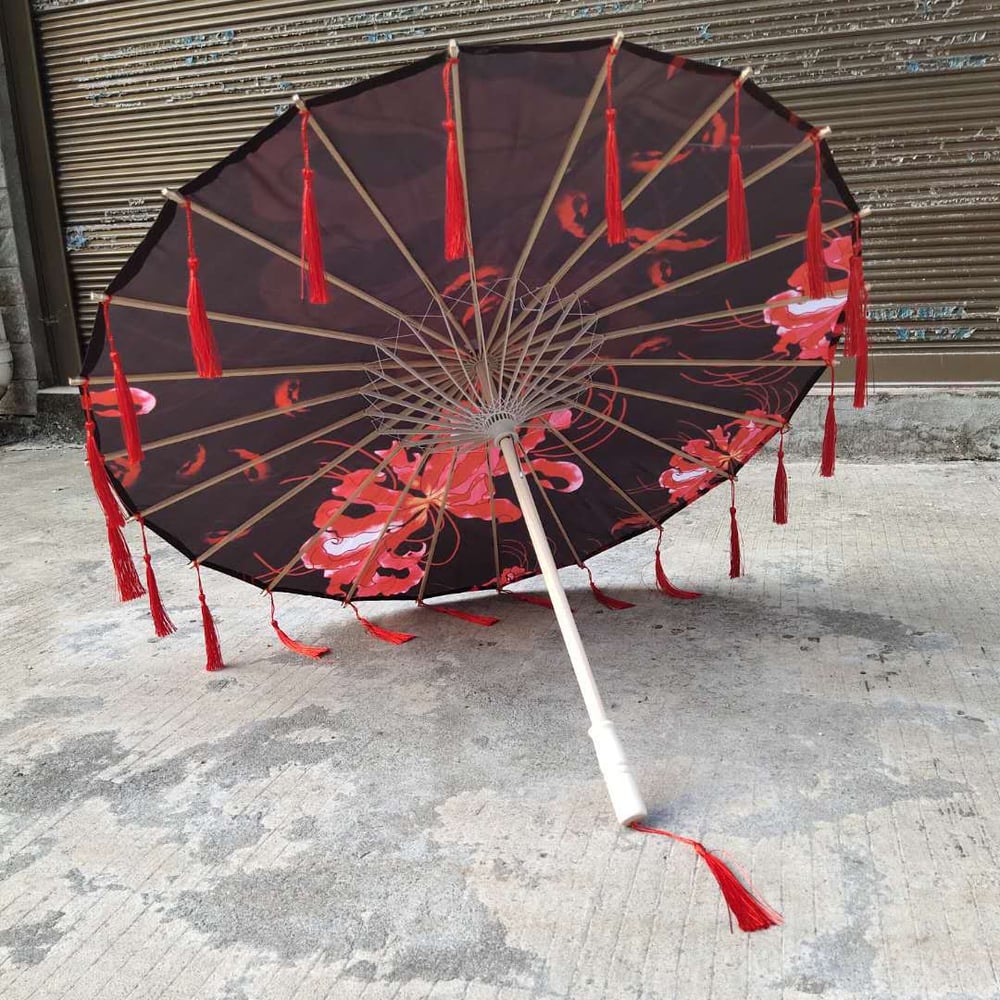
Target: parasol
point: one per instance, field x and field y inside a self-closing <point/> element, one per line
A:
<point x="303" y="378"/>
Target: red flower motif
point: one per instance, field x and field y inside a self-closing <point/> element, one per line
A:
<point x="105" y="403"/>
<point x="729" y="445"/>
<point x="809" y="324"/>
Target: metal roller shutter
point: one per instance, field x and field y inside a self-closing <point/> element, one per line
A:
<point x="145" y="93"/>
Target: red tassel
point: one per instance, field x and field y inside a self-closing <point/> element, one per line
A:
<point x="213" y="653"/>
<point x="386" y="635"/>
<point x="828" y="461"/>
<point x="781" y="484"/>
<point x="737" y="225"/>
<point x="162" y="624"/>
<point x="735" y="559"/>
<point x="751" y="912"/>
<point x="614" y="214"/>
<point x="126" y="408"/>
<point x="609" y="602"/>
<point x="856" y="342"/>
<point x="664" y="585"/>
<point x="95" y="462"/>
<point x="313" y="652"/>
<point x="126" y="577"/>
<point x="542" y="602"/>
<point x="203" y="346"/>
<point x="815" y="264"/>
<point x="455" y="246"/>
<point x="465" y="616"/>
<point x="311" y="254"/>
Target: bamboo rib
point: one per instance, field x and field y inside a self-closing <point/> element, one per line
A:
<point x="716" y="363"/>
<point x="373" y="549"/>
<point x="229" y="473"/>
<point x="690" y="404"/>
<point x="634" y="331"/>
<point x="548" y="503"/>
<point x="713" y="203"/>
<point x="380" y="217"/>
<point x="601" y="474"/>
<point x="491" y="482"/>
<point x="456" y="92"/>
<point x="273" y="248"/>
<point x="137" y="377"/>
<point x="429" y="561"/>
<point x="709" y="272"/>
<point x="581" y="123"/>
<point x="263" y="324"/>
<point x="288" y="495"/>
<point x="665" y="161"/>
<point x="621" y="425"/>
<point x="362" y="486"/>
<point x="226" y="425"/>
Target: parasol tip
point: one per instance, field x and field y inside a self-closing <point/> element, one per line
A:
<point x="452" y="48"/>
<point x="745" y="73"/>
<point x="616" y="42"/>
<point x="298" y="102"/>
<point x="822" y="133"/>
<point x="172" y="195"/>
<point x="865" y="211"/>
<point x="99" y="297"/>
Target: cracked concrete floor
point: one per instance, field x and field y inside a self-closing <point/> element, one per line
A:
<point x="427" y="820"/>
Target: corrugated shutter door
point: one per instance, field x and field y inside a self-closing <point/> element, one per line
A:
<point x="147" y="93"/>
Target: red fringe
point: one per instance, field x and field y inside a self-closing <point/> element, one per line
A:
<point x="126" y="408"/>
<point x="735" y="558"/>
<point x="213" y="652"/>
<point x="815" y="264"/>
<point x="856" y="342"/>
<point x="162" y="624"/>
<point x="311" y="254"/>
<point x="751" y="912"/>
<point x="737" y="224"/>
<point x="126" y="578"/>
<point x="313" y="652"/>
<point x="781" y="484"/>
<point x="542" y="602"/>
<point x="203" y="346"/>
<point x="465" y="616"/>
<point x="455" y="245"/>
<point x="664" y="585"/>
<point x="828" y="460"/>
<point x="98" y="472"/>
<point x="613" y="212"/>
<point x="609" y="602"/>
<point x="386" y="635"/>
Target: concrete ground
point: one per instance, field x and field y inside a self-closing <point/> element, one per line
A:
<point x="427" y="820"/>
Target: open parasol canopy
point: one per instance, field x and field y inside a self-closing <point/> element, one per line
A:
<point x="468" y="322"/>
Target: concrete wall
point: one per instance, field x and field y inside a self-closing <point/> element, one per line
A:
<point x="15" y="268"/>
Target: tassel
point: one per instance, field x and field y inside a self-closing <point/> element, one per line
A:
<point x="856" y="342"/>
<point x="751" y="912"/>
<point x="213" y="653"/>
<point x="735" y="559"/>
<point x="162" y="624"/>
<point x="126" y="408"/>
<point x="455" y="245"/>
<point x="609" y="602"/>
<point x="465" y="616"/>
<point x="828" y="461"/>
<point x="313" y="652"/>
<point x="386" y="635"/>
<point x="126" y="578"/>
<point x="737" y="226"/>
<point x="781" y="484"/>
<point x="614" y="214"/>
<point x="815" y="264"/>
<point x="664" y="585"/>
<point x="203" y="346"/>
<point x="311" y="255"/>
<point x="95" y="462"/>
<point x="542" y="602"/>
